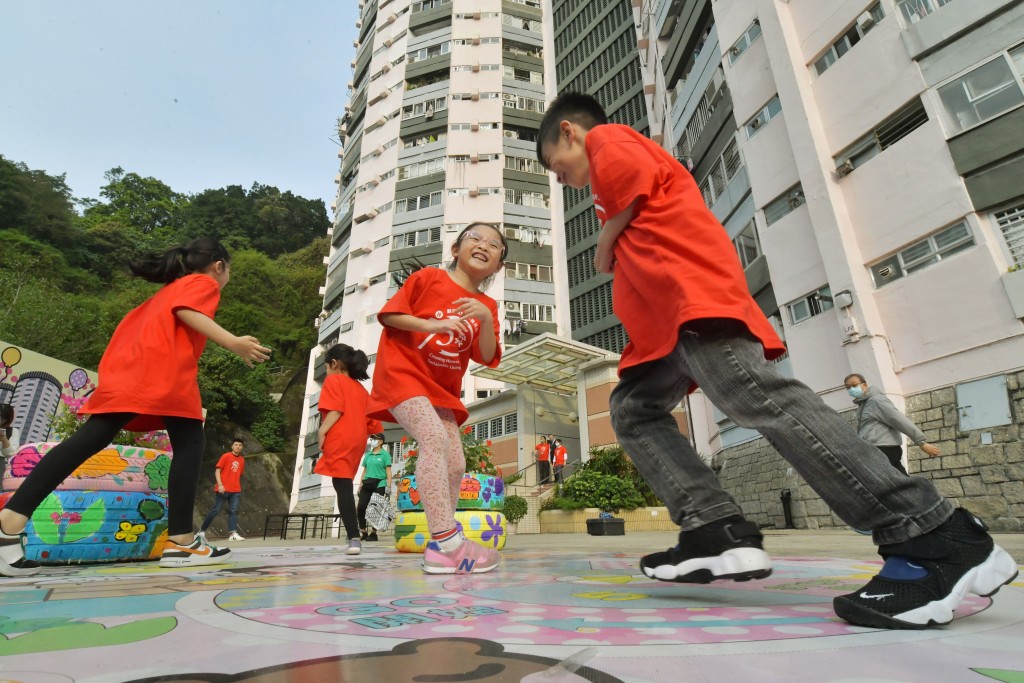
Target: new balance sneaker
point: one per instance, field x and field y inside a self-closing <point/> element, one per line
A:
<point x="354" y="547"/>
<point x="235" y="536"/>
<point x="925" y="579"/>
<point x="468" y="558"/>
<point x="196" y="553"/>
<point x="12" y="557"/>
<point x="726" y="549"/>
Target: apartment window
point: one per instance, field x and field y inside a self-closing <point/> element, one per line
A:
<point x="741" y="45"/>
<point x="543" y="313"/>
<point x="472" y="97"/>
<point x="884" y="135"/>
<point x="986" y="91"/>
<point x="513" y="101"/>
<point x="428" y="4"/>
<point x="497" y="427"/>
<point x="722" y="171"/>
<point x="811" y="305"/>
<point x="748" y="247"/>
<point x="865" y="23"/>
<point x="417" y="238"/>
<point x="511" y="423"/>
<point x="418" y="202"/>
<point x="440" y="136"/>
<point x="524" y="164"/>
<point x="521" y="22"/>
<point x="783" y="204"/>
<point x="429" y="52"/>
<point x="524" y="198"/>
<point x="922" y="254"/>
<point x="1011" y="224"/>
<point x="424" y="108"/>
<point x="536" y="236"/>
<point x="477" y="41"/>
<point x="528" y="271"/>
<point x="421" y="168"/>
<point x="472" y="192"/>
<point x="477" y="67"/>
<point x="382" y="242"/>
<point x="914" y="11"/>
<point x="524" y="75"/>
<point x="769" y="112"/>
<point x="483" y="125"/>
<point x="345" y="327"/>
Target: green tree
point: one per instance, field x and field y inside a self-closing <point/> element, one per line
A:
<point x="146" y="204"/>
<point x="36" y="204"/>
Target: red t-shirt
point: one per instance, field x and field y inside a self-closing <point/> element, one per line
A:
<point x="151" y="364"/>
<point x="542" y="452"/>
<point x="674" y="262"/>
<point x="560" y="454"/>
<point x="417" y="364"/>
<point x="231" y="467"/>
<point x="346" y="439"/>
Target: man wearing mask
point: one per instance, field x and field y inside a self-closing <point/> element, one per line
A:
<point x="881" y="424"/>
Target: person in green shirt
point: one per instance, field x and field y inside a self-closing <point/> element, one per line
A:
<point x="376" y="466"/>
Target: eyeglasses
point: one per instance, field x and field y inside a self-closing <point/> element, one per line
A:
<point x="475" y="238"/>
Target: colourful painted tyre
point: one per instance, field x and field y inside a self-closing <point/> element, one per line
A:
<point x="479" y="492"/>
<point x="71" y="527"/>
<point x="115" y="468"/>
<point x="480" y="526"/>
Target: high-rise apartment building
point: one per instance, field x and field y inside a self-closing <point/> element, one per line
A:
<point x="439" y="131"/>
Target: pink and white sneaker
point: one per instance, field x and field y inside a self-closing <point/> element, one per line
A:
<point x="468" y="558"/>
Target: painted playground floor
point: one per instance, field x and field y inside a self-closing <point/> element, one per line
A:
<point x="554" y="611"/>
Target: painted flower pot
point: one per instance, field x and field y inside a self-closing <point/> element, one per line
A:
<point x="115" y="468"/>
<point x="478" y="492"/>
<point x="480" y="526"/>
<point x="72" y="527"/>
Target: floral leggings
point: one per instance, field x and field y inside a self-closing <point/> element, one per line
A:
<point x="441" y="462"/>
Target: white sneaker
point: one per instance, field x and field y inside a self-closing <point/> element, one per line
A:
<point x="202" y="536"/>
<point x="354" y="547"/>
<point x="235" y="536"/>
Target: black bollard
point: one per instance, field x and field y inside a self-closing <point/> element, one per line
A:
<point x="787" y="507"/>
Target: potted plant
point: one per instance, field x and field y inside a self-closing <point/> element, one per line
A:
<point x="515" y="509"/>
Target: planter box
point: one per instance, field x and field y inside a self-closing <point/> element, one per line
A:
<point x="616" y="526"/>
<point x="575" y="521"/>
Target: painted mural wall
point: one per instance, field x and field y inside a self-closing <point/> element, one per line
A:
<point x="37" y="386"/>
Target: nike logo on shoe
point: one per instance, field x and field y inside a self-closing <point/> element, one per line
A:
<point x="879" y="596"/>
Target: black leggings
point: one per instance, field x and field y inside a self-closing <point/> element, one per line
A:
<point x="895" y="455"/>
<point x="346" y="505"/>
<point x="187" y="441"/>
<point x="366" y="491"/>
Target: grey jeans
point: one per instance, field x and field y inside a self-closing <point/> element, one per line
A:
<point x="853" y="477"/>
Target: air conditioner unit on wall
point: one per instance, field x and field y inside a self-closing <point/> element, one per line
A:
<point x="865" y="21"/>
<point x="364" y="283"/>
<point x="844" y="167"/>
<point x="511" y="134"/>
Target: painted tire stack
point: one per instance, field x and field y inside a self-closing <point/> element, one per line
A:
<point x="111" y="509"/>
<point x="481" y="498"/>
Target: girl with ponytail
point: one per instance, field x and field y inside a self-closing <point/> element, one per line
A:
<point x="344" y="428"/>
<point x="147" y="381"/>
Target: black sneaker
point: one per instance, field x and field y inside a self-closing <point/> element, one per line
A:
<point x="925" y="579"/>
<point x="372" y="537"/>
<point x="12" y="557"/>
<point x="364" y="537"/>
<point x="727" y="549"/>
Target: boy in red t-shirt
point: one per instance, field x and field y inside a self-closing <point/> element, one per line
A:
<point x="228" y="489"/>
<point x="543" y="455"/>
<point x="558" y="460"/>
<point x="664" y="245"/>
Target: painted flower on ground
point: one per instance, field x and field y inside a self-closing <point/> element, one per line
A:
<point x="494" y="531"/>
<point x="129" y="532"/>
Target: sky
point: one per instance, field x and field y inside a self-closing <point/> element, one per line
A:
<point x="199" y="95"/>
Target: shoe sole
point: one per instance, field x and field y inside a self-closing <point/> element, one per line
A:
<point x="738" y="564"/>
<point x="985" y="580"/>
<point x="451" y="570"/>
<point x="193" y="561"/>
<point x="15" y="572"/>
<point x="350" y="551"/>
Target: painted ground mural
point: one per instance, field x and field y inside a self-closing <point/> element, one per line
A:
<point x="314" y="614"/>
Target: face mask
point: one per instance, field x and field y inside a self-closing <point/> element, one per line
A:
<point x="855" y="392"/>
<point x="374" y="443"/>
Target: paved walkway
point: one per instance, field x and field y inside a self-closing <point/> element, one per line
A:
<point x="560" y="608"/>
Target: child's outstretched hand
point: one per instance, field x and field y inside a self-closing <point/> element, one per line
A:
<point x="249" y="350"/>
<point x="469" y="307"/>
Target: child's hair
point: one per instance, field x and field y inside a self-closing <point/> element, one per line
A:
<point x="576" y="107"/>
<point x="6" y="415"/>
<point x="180" y="261"/>
<point x="354" y="361"/>
<point x="237" y="439"/>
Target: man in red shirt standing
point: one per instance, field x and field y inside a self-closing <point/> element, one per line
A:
<point x="682" y="296"/>
<point x="558" y="460"/>
<point x="542" y="452"/>
<point x="228" y="490"/>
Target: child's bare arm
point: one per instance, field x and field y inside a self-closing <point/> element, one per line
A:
<point x="604" y="258"/>
<point x="247" y="348"/>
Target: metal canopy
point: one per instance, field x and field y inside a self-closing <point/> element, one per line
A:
<point x="545" y="362"/>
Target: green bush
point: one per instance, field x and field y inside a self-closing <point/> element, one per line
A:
<point x="561" y="503"/>
<point x="613" y="460"/>
<point x="515" y="508"/>
<point x="608" y="492"/>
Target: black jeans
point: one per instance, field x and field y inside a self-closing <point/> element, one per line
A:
<point x="543" y="471"/>
<point x="895" y="455"/>
<point x="346" y="505"/>
<point x="366" y="491"/>
<point x="187" y="441"/>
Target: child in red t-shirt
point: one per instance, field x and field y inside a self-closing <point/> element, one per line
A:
<point x="148" y="381"/>
<point x="228" y="489"/>
<point x="664" y="245"/>
<point x="433" y="326"/>
<point x="344" y="427"/>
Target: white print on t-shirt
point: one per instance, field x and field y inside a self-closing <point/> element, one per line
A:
<point x="446" y="347"/>
<point x="598" y="207"/>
